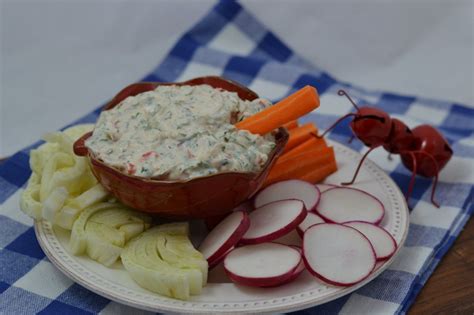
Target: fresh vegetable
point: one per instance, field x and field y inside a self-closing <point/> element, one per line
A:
<point x="299" y="135"/>
<point x="384" y="244"/>
<point x="274" y="220"/>
<point x="292" y="107"/>
<point x="69" y="213"/>
<point x="297" y="272"/>
<point x="164" y="261"/>
<point x="343" y="204"/>
<point x="291" y="125"/>
<point x="224" y="236"/>
<point x="319" y="162"/>
<point x="323" y="187"/>
<point x="57" y="161"/>
<point x="301" y="267"/>
<point x="30" y="202"/>
<point x="54" y="203"/>
<point x="289" y="189"/>
<point x="311" y="219"/>
<point x="39" y="156"/>
<point x="102" y="230"/>
<point x="337" y="254"/>
<point x="262" y="265"/>
<point x="61" y="184"/>
<point x="218" y="260"/>
<point x="312" y="143"/>
<point x="320" y="173"/>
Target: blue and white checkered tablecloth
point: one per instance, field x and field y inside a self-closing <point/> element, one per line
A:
<point x="229" y="41"/>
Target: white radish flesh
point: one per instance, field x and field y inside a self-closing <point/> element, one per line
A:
<point x="384" y="244"/>
<point x="337" y="254"/>
<point x="262" y="265"/>
<point x="343" y="204"/>
<point x="296" y="273"/>
<point x="274" y="220"/>
<point x="289" y="189"/>
<point x="225" y="235"/>
<point x="311" y="219"/>
<point x="323" y="187"/>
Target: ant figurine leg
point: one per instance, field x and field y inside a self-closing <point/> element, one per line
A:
<point x="435" y="183"/>
<point x="412" y="179"/>
<point x="359" y="166"/>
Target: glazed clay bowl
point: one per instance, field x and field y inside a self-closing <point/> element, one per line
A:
<point x="203" y="197"/>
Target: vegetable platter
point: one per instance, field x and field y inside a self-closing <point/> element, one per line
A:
<point x="301" y="282"/>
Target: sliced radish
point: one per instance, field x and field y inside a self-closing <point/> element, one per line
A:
<point x="274" y="220"/>
<point x="296" y="273"/>
<point x="311" y="219"/>
<point x="218" y="260"/>
<point x="289" y="189"/>
<point x="262" y="265"/>
<point x="344" y="204"/>
<point x="323" y="187"/>
<point x="225" y="235"/>
<point x="384" y="244"/>
<point x="300" y="267"/>
<point x="337" y="254"/>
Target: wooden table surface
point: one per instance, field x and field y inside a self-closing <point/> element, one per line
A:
<point x="450" y="289"/>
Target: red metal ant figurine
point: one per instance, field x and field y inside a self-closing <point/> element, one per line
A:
<point x="423" y="150"/>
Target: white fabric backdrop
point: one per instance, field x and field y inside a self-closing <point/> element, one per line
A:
<point x="61" y="59"/>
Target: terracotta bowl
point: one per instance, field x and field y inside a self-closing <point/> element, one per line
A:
<point x="203" y="197"/>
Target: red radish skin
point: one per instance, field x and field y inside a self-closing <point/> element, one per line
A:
<point x="289" y="189"/>
<point x="218" y="260"/>
<point x="344" y="204"/>
<point x="213" y="221"/>
<point x="225" y="235"/>
<point x="383" y="242"/>
<point x="349" y="235"/>
<point x="254" y="265"/>
<point x="273" y="221"/>
<point x="323" y="187"/>
<point x="311" y="219"/>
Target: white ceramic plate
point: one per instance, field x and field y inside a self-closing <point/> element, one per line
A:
<point x="221" y="296"/>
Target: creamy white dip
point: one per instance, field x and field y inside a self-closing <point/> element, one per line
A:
<point x="180" y="132"/>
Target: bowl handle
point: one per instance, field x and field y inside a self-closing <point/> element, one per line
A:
<point x="79" y="146"/>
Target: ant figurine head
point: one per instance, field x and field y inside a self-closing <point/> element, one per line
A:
<point x="401" y="138"/>
<point x="370" y="125"/>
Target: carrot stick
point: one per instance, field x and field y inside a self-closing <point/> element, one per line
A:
<point x="310" y="144"/>
<point x="318" y="174"/>
<point x="300" y="135"/>
<point x="300" y="165"/>
<point x="292" y="107"/>
<point x="291" y="125"/>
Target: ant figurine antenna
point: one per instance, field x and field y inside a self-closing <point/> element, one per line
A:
<point x="340" y="93"/>
<point x="344" y="93"/>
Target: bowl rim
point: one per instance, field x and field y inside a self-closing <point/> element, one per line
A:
<point x="281" y="136"/>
